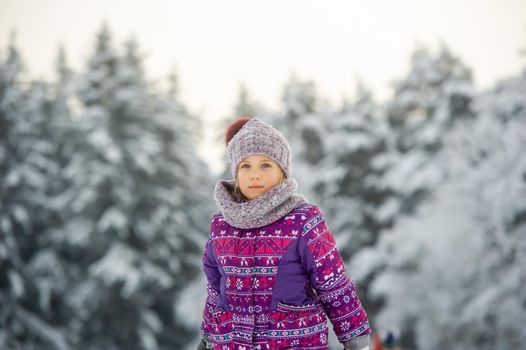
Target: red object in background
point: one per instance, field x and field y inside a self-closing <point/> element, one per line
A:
<point x="386" y="340"/>
<point x="376" y="343"/>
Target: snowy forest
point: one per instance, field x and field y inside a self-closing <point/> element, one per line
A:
<point x="105" y="204"/>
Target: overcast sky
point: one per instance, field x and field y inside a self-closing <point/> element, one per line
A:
<point x="215" y="44"/>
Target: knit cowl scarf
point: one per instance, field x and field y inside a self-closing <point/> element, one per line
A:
<point x="258" y="212"/>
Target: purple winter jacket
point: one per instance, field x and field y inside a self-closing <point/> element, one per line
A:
<point x="275" y="286"/>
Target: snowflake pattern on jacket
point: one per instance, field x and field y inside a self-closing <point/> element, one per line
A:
<point x="276" y="286"/>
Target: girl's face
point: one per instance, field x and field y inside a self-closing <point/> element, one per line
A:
<point x="257" y="174"/>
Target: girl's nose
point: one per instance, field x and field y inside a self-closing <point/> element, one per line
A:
<point x="255" y="176"/>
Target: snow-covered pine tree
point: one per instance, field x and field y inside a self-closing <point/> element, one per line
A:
<point x="246" y="105"/>
<point x="435" y="94"/>
<point x="134" y="206"/>
<point x="452" y="276"/>
<point x="196" y="202"/>
<point x="428" y="103"/>
<point x="343" y="177"/>
<point x="32" y="277"/>
<point x="347" y="179"/>
<point x="303" y="124"/>
<point x="298" y="98"/>
<point x="65" y="110"/>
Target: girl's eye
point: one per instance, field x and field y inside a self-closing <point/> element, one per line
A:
<point x="245" y="166"/>
<point x="266" y="165"/>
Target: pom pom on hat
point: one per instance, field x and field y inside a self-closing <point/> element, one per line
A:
<point x="234" y="128"/>
<point x="250" y="137"/>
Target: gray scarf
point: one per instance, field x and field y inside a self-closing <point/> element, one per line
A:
<point x="264" y="210"/>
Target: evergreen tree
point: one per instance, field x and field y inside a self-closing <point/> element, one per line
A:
<point x="436" y="93"/>
<point x="299" y="98"/>
<point x="32" y="277"/>
<point x="348" y="179"/>
<point x="134" y="207"/>
<point x="435" y="96"/>
<point x="303" y="125"/>
<point x="245" y="105"/>
<point x="458" y="263"/>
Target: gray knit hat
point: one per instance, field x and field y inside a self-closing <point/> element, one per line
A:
<point x="257" y="137"/>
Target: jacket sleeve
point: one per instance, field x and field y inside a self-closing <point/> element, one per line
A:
<point x="328" y="277"/>
<point x="213" y="278"/>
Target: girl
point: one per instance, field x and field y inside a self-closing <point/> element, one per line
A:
<point x="274" y="273"/>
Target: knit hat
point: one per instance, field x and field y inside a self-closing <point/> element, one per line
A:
<point x="257" y="137"/>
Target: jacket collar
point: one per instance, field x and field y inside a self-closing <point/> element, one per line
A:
<point x="264" y="210"/>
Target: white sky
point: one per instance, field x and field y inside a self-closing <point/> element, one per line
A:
<point x="216" y="44"/>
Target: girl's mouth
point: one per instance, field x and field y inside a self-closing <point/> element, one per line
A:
<point x="255" y="186"/>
